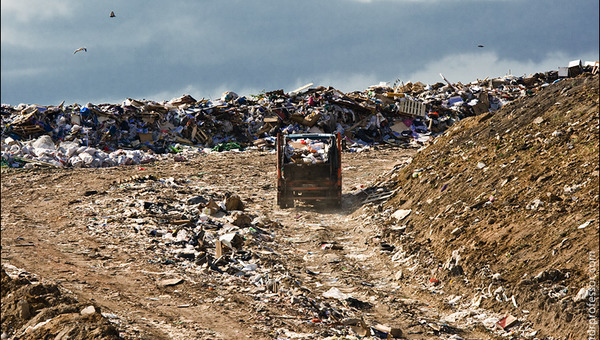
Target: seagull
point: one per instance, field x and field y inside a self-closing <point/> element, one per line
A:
<point x="80" y="49"/>
<point x="112" y="14"/>
<point x="479" y="45"/>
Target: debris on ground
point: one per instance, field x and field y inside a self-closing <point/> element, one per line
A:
<point x="487" y="230"/>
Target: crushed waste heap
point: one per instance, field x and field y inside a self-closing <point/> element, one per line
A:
<point x="144" y="131"/>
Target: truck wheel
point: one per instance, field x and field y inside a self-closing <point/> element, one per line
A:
<point x="286" y="203"/>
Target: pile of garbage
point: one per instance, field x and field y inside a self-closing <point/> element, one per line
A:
<point x="306" y="151"/>
<point x="134" y="132"/>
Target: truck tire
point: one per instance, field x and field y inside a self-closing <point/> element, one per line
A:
<point x="285" y="202"/>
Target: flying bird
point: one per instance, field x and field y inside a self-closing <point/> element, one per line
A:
<point x="479" y="45"/>
<point x="80" y="49"/>
<point x="112" y="14"/>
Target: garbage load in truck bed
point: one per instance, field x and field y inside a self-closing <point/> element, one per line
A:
<point x="309" y="168"/>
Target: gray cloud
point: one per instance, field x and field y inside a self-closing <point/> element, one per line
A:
<point x="159" y="48"/>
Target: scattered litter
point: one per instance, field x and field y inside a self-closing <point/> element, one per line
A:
<point x="335" y="293"/>
<point x="401" y="214"/>
<point x="170" y="282"/>
<point x="506" y="322"/>
<point x="585" y="224"/>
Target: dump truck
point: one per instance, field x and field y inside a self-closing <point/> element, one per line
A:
<point x="309" y="169"/>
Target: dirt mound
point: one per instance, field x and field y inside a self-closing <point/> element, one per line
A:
<point x="34" y="310"/>
<point x="508" y="204"/>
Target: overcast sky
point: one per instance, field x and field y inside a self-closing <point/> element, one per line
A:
<point x="159" y="50"/>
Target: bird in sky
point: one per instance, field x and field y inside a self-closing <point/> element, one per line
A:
<point x="80" y="49"/>
<point x="112" y="14"/>
<point x="479" y="45"/>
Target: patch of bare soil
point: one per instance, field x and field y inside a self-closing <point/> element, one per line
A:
<point x="507" y="203"/>
<point x="34" y="310"/>
<point x="496" y="218"/>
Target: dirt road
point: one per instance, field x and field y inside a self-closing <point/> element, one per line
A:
<point x="77" y="227"/>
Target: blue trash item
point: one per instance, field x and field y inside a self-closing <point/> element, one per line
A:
<point x="455" y="100"/>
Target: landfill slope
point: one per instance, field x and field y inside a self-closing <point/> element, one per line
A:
<point x="507" y="202"/>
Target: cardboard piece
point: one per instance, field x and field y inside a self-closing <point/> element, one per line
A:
<point x="297" y="145"/>
<point x="181" y="222"/>
<point x="394" y="332"/>
<point x="194" y="131"/>
<point x="311" y="119"/>
<point x="220" y="249"/>
<point x="145" y="137"/>
<point x="298" y="118"/>
<point x="399" y="127"/>
<point x="484" y="98"/>
<point x="480" y="108"/>
<point x="149" y="118"/>
<point x="170" y="282"/>
<point x="75" y="119"/>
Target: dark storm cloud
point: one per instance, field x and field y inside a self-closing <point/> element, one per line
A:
<point x="157" y="50"/>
